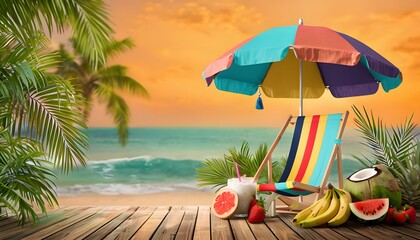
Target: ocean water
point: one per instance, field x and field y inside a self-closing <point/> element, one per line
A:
<point x="165" y="159"/>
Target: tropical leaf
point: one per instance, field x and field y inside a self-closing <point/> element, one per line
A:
<point x="49" y="116"/>
<point x="39" y="109"/>
<point x="117" y="106"/>
<point x="116" y="77"/>
<point x="216" y="171"/>
<point x="375" y="135"/>
<point x="396" y="148"/>
<point x="88" y="19"/>
<point x="25" y="178"/>
<point x="104" y="82"/>
<point x="408" y="177"/>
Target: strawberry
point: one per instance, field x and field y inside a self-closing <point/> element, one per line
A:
<point x="411" y="212"/>
<point x="390" y="215"/>
<point x="252" y="203"/>
<point x="400" y="217"/>
<point x="256" y="214"/>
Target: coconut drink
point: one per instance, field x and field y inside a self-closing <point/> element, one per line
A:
<point x="374" y="182"/>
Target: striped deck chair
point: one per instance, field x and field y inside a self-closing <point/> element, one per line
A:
<point x="315" y="144"/>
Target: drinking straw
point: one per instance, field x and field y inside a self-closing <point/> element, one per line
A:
<point x="237" y="171"/>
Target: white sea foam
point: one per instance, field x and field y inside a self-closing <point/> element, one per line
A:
<point x="126" y="189"/>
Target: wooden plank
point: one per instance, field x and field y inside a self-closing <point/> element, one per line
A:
<point x="349" y="233"/>
<point x="329" y="233"/>
<point x="170" y="225"/>
<point x="106" y="229"/>
<point x="18" y="232"/>
<point x="261" y="231"/>
<point x="127" y="229"/>
<point x="150" y="226"/>
<point x="62" y="224"/>
<point x="374" y="231"/>
<point x="202" y="226"/>
<point x="88" y="225"/>
<point x="402" y="229"/>
<point x="413" y="226"/>
<point x="280" y="229"/>
<point x="305" y="233"/>
<point x="220" y="229"/>
<point x="14" y="220"/>
<point x="241" y="229"/>
<point x="186" y="229"/>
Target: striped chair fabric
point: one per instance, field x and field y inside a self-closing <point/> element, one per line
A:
<point x="312" y="144"/>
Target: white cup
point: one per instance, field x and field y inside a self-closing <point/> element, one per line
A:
<point x="246" y="190"/>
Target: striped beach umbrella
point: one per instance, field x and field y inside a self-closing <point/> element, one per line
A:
<point x="302" y="61"/>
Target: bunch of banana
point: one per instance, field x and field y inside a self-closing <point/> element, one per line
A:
<point x="333" y="209"/>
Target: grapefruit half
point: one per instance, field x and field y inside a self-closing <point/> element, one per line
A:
<point x="225" y="203"/>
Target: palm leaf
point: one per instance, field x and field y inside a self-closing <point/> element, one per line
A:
<point x="116" y="77"/>
<point x="402" y="140"/>
<point x="88" y="18"/>
<point x="24" y="178"/>
<point x="375" y="135"/>
<point x="215" y="173"/>
<point x="53" y="121"/>
<point x="117" y="106"/>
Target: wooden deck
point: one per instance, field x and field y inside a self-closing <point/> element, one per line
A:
<point x="188" y="222"/>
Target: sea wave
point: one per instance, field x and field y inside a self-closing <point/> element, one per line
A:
<point x="145" y="175"/>
<point x="136" y="170"/>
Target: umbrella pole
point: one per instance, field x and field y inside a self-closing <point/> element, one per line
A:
<point x="300" y="88"/>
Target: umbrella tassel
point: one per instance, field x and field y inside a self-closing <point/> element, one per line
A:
<point x="259" y="105"/>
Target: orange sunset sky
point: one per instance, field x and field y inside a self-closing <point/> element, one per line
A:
<point x="176" y="39"/>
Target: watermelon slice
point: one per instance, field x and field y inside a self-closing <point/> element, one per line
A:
<point x="225" y="203"/>
<point x="372" y="209"/>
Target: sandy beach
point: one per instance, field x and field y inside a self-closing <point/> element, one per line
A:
<point x="156" y="199"/>
<point x="187" y="198"/>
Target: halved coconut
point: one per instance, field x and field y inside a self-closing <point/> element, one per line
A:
<point x="364" y="174"/>
<point x="374" y="182"/>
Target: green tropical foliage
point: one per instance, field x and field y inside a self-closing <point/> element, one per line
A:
<point x="386" y="146"/>
<point x="397" y="148"/>
<point x="38" y="122"/>
<point x="216" y="171"/>
<point x="23" y="172"/>
<point x="105" y="81"/>
<point x="408" y="172"/>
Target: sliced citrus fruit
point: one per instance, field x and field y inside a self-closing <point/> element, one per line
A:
<point x="225" y="203"/>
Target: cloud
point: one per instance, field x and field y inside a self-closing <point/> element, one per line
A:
<point x="202" y="16"/>
<point x="410" y="45"/>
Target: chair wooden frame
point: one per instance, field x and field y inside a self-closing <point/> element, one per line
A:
<point x="292" y="205"/>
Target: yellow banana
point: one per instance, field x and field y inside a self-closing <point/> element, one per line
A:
<point x="326" y="216"/>
<point x="344" y="210"/>
<point x="314" y="208"/>
<point x="304" y="213"/>
<point x="323" y="205"/>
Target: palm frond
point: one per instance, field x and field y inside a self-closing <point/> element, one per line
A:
<point x="25" y="178"/>
<point x="116" y="77"/>
<point x="402" y="140"/>
<point x="88" y="19"/>
<point x="375" y="135"/>
<point x="117" y="106"/>
<point x="215" y="173"/>
<point x="408" y="172"/>
<point x="91" y="28"/>
<point x="117" y="46"/>
<point x="50" y="118"/>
